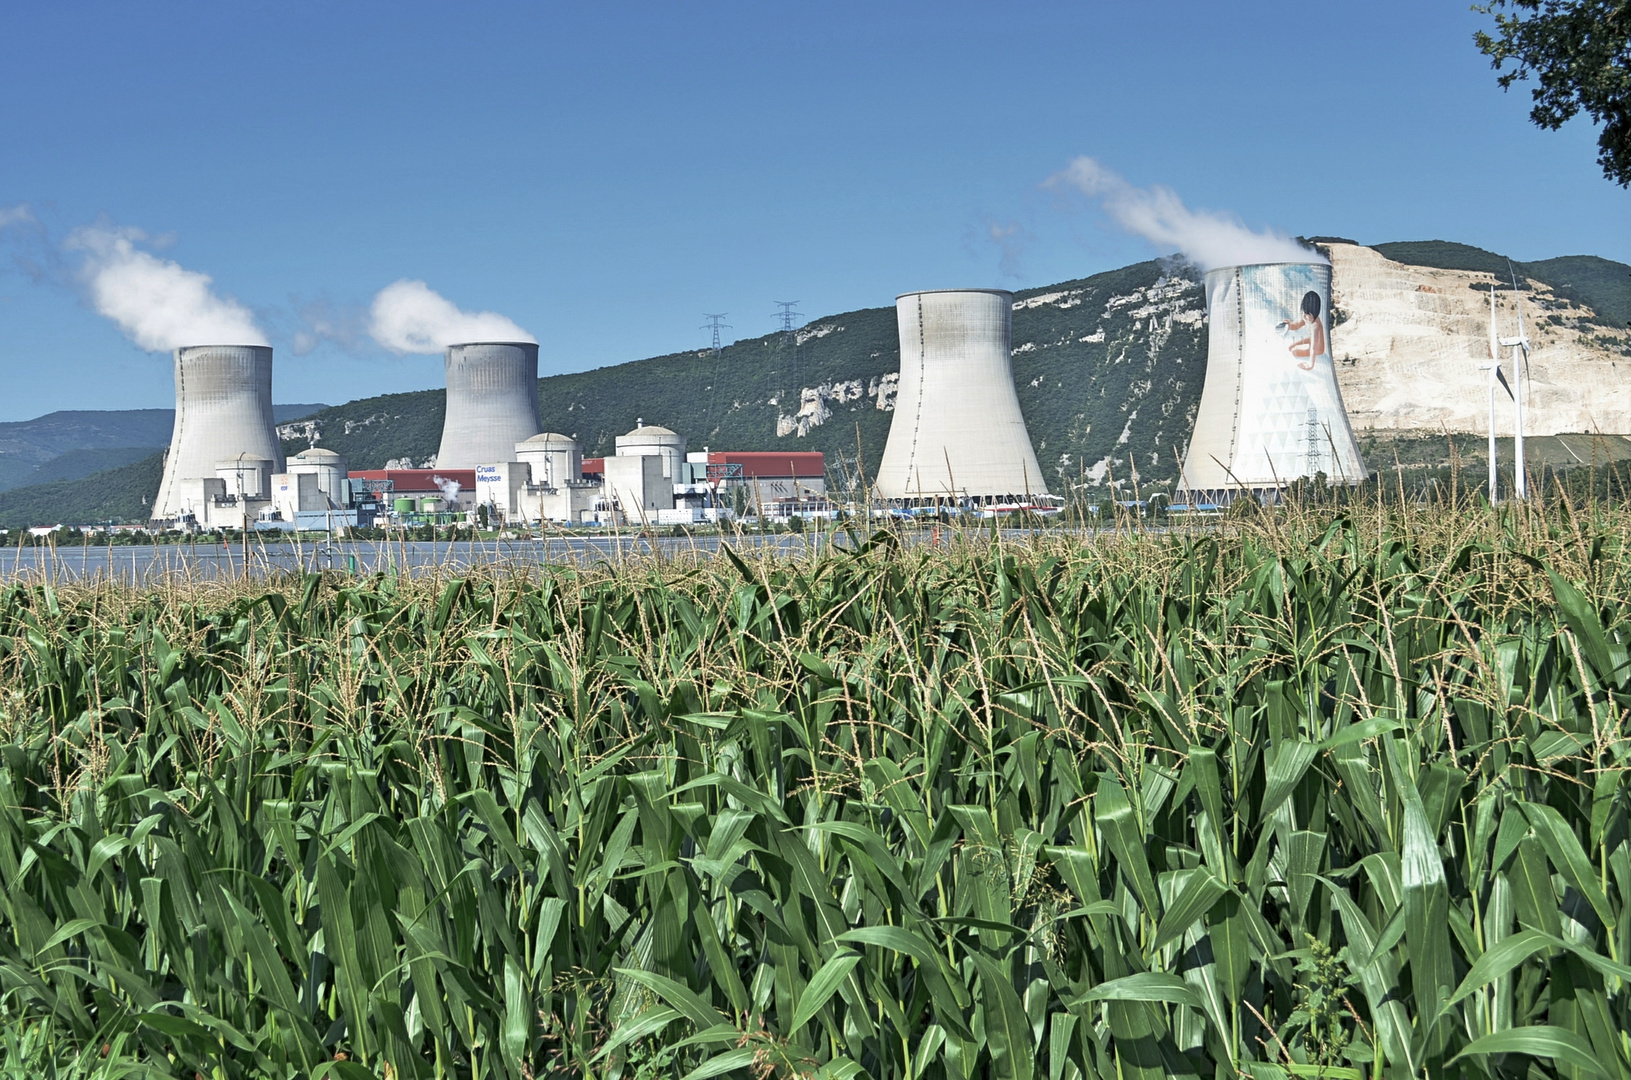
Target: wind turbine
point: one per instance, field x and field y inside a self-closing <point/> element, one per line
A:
<point x="1494" y="369"/>
<point x="1520" y="363"/>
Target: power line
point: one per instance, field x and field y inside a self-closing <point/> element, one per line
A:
<point x="787" y="314"/>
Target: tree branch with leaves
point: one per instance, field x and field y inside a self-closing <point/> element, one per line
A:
<point x="1579" y="52"/>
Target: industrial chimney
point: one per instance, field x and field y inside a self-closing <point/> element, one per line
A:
<point x="1270" y="409"/>
<point x="223" y="414"/>
<point x="957" y="431"/>
<point x="492" y="403"/>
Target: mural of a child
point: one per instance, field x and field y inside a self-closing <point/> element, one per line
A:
<point x="1310" y="346"/>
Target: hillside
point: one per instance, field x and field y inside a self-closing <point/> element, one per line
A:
<point x="121" y="495"/>
<point x="1601" y="285"/>
<point x="1412" y="336"/>
<point x="1105" y="366"/>
<point x="1108" y="370"/>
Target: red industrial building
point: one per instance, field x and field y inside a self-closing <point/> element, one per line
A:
<point x="768" y="475"/>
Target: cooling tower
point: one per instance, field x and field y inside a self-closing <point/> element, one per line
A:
<point x="492" y="403"/>
<point x="957" y="431"/>
<point x="223" y="413"/>
<point x="1270" y="409"/>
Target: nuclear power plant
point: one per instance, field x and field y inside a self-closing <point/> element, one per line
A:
<point x="957" y="436"/>
<point x="1270" y="413"/>
<point x="1270" y="410"/>
<point x="224" y="445"/>
<point x="492" y="402"/>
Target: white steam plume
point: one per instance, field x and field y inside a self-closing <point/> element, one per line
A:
<point x="1207" y="238"/>
<point x="159" y="304"/>
<point x="411" y="317"/>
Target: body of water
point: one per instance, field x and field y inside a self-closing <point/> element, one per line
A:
<point x="151" y="563"/>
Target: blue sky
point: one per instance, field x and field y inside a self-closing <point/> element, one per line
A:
<point x="603" y="174"/>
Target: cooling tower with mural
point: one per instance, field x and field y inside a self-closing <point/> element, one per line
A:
<point x="1270" y="410"/>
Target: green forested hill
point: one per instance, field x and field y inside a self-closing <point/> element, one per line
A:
<point x="1108" y="370"/>
<point x="123" y="494"/>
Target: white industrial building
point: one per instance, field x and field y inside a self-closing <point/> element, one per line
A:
<point x="650" y="480"/>
<point x="1270" y="410"/>
<point x="313" y="492"/>
<point x="224" y="447"/>
<point x="763" y="476"/>
<point x="639" y="479"/>
<point x="544" y="482"/>
<point x="957" y="434"/>
<point x="492" y="402"/>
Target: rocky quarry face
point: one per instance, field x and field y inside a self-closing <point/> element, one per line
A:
<point x="1408" y="341"/>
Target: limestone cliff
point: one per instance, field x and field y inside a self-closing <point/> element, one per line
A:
<point x="1409" y="339"/>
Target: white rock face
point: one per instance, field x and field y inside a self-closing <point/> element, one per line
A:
<point x="1412" y="338"/>
<point x="813" y="408"/>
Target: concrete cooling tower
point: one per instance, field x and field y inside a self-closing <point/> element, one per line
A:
<point x="957" y="431"/>
<point x="492" y="403"/>
<point x="223" y="415"/>
<point x="1270" y="409"/>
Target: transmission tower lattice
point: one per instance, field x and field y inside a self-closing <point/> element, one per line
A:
<point x="1313" y="443"/>
<point x="787" y="314"/>
<point x="716" y="323"/>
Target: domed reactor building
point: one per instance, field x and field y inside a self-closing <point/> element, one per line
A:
<point x="957" y="436"/>
<point x="492" y="402"/>
<point x="1270" y="411"/>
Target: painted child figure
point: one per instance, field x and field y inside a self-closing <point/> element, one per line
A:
<point x="1310" y="346"/>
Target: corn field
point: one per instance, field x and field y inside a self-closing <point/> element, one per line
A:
<point x="1318" y="796"/>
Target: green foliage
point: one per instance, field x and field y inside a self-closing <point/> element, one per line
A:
<point x="1600" y="284"/>
<point x="1072" y="809"/>
<point x="1580" y="54"/>
<point x="1324" y="1013"/>
<point x="124" y="495"/>
<point x="77" y="463"/>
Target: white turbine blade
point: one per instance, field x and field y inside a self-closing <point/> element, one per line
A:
<point x="1494" y="340"/>
<point x="1517" y="297"/>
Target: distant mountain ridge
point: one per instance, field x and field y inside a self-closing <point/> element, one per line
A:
<point x="71" y="443"/>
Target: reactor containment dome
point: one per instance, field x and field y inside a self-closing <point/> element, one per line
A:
<point x="957" y="433"/>
<point x="223" y="414"/>
<point x="1270" y="410"/>
<point x="492" y="403"/>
